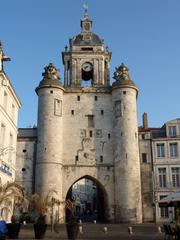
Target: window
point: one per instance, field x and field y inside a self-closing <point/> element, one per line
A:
<point x="13" y="112"/>
<point x="162" y="177"/>
<point x="78" y="98"/>
<point x="90" y="133"/>
<point x="102" y="112"/>
<point x="143" y="136"/>
<point x="2" y="134"/>
<point x="24" y="150"/>
<point x="10" y="153"/>
<point x="173" y="150"/>
<point x="101" y="158"/>
<point x="72" y="112"/>
<point x="5" y="101"/>
<point x="175" y="177"/>
<point x="51" y="91"/>
<point x="172" y="131"/>
<point x="57" y="107"/>
<point x="160" y="150"/>
<point x="95" y="98"/>
<point x="118" y="109"/>
<point x="109" y="135"/>
<point x="144" y="157"/>
<point x="164" y="210"/>
<point x="90" y="121"/>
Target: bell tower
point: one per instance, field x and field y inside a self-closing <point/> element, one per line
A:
<point x="88" y="129"/>
<point x="86" y="61"/>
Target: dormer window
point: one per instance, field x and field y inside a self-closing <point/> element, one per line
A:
<point x="172" y="131"/>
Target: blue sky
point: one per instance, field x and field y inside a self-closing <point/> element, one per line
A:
<point x="144" y="34"/>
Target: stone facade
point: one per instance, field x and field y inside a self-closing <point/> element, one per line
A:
<point x="26" y="155"/>
<point x="87" y="128"/>
<point x="145" y="149"/>
<point x="9" y="106"/>
<point x="160" y="168"/>
<point x="166" y="166"/>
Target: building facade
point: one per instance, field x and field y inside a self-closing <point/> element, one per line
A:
<point x="87" y="128"/>
<point x="166" y="165"/>
<point x="9" y="106"/>
<point x="160" y="167"/>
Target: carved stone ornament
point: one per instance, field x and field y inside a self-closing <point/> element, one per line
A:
<point x="121" y="73"/>
<point x="51" y="72"/>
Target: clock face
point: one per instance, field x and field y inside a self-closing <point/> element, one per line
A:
<point x="87" y="67"/>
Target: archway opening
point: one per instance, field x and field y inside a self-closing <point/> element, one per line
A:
<point x="90" y="199"/>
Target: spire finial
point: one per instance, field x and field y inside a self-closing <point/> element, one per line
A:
<point x="85" y="6"/>
<point x="3" y="58"/>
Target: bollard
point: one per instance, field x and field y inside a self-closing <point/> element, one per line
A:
<point x="159" y="229"/>
<point x="130" y="231"/>
<point x="105" y="229"/>
<point x="80" y="229"/>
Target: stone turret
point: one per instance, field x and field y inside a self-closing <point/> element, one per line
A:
<point x="49" y="136"/>
<point x="126" y="151"/>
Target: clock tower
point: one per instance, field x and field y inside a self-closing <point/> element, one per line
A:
<point x="86" y="61"/>
<point x="87" y="129"/>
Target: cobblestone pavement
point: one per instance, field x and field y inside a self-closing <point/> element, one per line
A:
<point x="96" y="232"/>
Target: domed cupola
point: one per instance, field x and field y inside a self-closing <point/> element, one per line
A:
<point x="86" y="37"/>
<point x="86" y="61"/>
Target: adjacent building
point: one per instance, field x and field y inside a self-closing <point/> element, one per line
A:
<point x="9" y="106"/>
<point x="160" y="167"/>
<point x="166" y="165"/>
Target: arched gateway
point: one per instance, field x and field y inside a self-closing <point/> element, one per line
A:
<point x="100" y="204"/>
<point x="89" y="129"/>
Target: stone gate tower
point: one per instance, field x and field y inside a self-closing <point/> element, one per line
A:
<point x="88" y="128"/>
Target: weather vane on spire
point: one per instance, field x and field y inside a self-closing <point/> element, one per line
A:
<point x="85" y="6"/>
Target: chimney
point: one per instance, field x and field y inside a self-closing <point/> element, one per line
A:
<point x="145" y="120"/>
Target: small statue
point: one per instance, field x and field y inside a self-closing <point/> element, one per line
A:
<point x="121" y="73"/>
<point x="51" y="72"/>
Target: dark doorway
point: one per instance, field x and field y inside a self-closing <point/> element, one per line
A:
<point x="90" y="200"/>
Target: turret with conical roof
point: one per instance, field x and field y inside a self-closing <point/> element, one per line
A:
<point x="49" y="134"/>
<point x="122" y="77"/>
<point x="50" y="77"/>
<point x="126" y="148"/>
